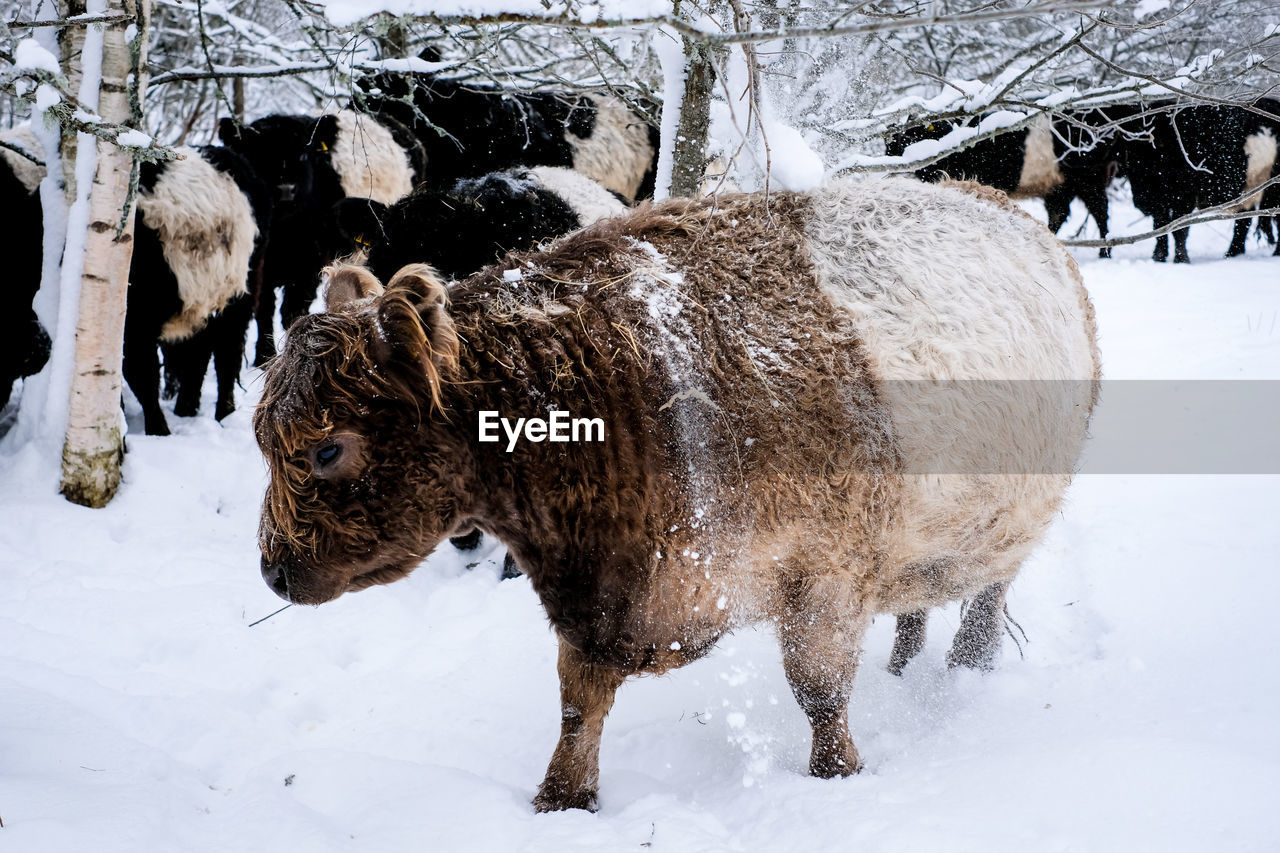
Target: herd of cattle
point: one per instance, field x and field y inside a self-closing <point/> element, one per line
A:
<point x="423" y="169"/>
<point x="1177" y="158"/>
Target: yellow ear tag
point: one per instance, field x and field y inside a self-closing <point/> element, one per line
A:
<point x="362" y="242"/>
<point x="324" y="147"/>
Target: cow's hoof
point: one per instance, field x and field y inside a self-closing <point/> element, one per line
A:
<point x="1104" y="252"/>
<point x="1181" y="259"/>
<point x="553" y="798"/>
<point x="831" y="767"/>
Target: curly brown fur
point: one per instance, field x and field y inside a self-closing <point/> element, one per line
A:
<point x="751" y="468"/>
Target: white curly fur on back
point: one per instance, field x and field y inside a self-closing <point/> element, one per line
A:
<point x="1260" y="151"/>
<point x="587" y="198"/>
<point x="995" y="297"/>
<point x="206" y="230"/>
<point x="369" y="162"/>
<point x="30" y="174"/>
<point x="618" y="152"/>
<point x="1040" y="172"/>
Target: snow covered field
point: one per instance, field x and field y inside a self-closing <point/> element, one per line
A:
<point x="139" y="711"/>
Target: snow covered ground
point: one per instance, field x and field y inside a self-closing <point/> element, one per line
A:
<point x="139" y="710"/>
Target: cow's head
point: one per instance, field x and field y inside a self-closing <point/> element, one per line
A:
<point x="365" y="469"/>
<point x="284" y="150"/>
<point x="896" y="143"/>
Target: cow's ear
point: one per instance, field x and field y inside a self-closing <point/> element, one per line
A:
<point x="228" y="131"/>
<point x="360" y="220"/>
<point x="415" y="319"/>
<point x="430" y="298"/>
<point x="348" y="287"/>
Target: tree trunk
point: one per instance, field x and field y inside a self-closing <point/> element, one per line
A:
<point x="237" y="99"/>
<point x="689" y="155"/>
<point x="71" y="45"/>
<point x="94" y="444"/>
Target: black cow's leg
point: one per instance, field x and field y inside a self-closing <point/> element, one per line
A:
<point x="141" y="370"/>
<point x="172" y="382"/>
<point x="190" y="363"/>
<point x="1238" y="237"/>
<point x="978" y="640"/>
<point x="1057" y="204"/>
<point x="1095" y="201"/>
<point x="227" y="331"/>
<point x="1180" y="255"/>
<point x="908" y="639"/>
<point x="298" y="297"/>
<point x="1161" y="252"/>
<point x="265" y="315"/>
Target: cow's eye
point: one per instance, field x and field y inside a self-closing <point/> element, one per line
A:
<point x="328" y="454"/>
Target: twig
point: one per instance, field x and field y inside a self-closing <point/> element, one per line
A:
<point x="269" y="615"/>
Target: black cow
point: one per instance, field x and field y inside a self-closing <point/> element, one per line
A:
<point x="194" y="240"/>
<point x="1183" y="158"/>
<point x="468" y="130"/>
<point x="474" y="222"/>
<point x="1072" y="156"/>
<point x="223" y="337"/>
<point x="311" y="163"/>
<point x="24" y="343"/>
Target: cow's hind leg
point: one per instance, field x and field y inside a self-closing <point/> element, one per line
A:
<point x="586" y="695"/>
<point x="821" y="642"/>
<point x="908" y="639"/>
<point x="978" y="640"/>
<point x="1238" y="237"/>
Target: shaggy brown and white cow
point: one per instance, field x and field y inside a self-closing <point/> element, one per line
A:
<point x="817" y="408"/>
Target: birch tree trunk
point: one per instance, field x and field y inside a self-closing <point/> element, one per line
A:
<point x="94" y="446"/>
<point x="689" y="154"/>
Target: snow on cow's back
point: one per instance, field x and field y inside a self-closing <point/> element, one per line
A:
<point x="978" y="327"/>
<point x="368" y="160"/>
<point x="588" y="199"/>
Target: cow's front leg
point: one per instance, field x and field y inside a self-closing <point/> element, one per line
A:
<point x="586" y="695"/>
